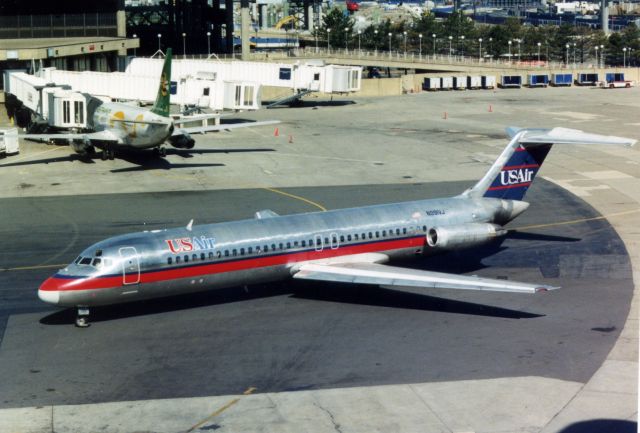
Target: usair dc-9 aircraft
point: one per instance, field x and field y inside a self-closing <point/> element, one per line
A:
<point x="115" y="126"/>
<point x="345" y="245"/>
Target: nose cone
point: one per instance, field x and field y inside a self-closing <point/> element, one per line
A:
<point x="49" y="291"/>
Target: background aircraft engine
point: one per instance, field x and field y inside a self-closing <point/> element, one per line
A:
<point x="463" y="236"/>
<point x="182" y="141"/>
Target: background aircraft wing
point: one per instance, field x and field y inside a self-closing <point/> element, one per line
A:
<point x="101" y="135"/>
<point x="222" y="127"/>
<point x="391" y="276"/>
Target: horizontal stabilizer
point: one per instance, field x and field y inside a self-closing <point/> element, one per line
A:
<point x="391" y="276"/>
<point x="565" y="136"/>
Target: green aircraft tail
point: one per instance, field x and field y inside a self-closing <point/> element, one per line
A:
<point x="162" y="104"/>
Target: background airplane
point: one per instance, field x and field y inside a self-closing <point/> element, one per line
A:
<point x="116" y="126"/>
<point x="345" y="245"/>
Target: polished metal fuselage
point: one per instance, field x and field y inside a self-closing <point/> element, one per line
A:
<point x="181" y="260"/>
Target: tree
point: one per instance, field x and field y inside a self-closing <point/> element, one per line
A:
<point x="336" y="27"/>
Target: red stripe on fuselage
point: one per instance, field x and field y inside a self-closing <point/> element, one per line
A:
<point x="151" y="276"/>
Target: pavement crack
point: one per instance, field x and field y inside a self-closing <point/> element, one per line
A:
<point x="336" y="425"/>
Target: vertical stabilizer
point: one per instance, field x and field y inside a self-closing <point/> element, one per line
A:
<point x="162" y="104"/>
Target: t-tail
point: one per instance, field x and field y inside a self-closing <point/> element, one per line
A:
<point x="515" y="169"/>
<point x="163" y="103"/>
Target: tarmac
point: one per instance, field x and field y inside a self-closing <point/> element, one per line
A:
<point x="395" y="142"/>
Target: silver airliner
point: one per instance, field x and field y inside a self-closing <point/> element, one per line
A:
<point x="346" y="245"/>
<point x="116" y="126"/>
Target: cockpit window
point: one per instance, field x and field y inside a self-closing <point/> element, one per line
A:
<point x="85" y="261"/>
<point x="76" y="261"/>
<point x="97" y="262"/>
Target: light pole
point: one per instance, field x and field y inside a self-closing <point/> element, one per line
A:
<point x="184" y="45"/>
<point x="539" y="53"/>
<point x="328" y="40"/>
<point x="450" y="39"/>
<point x="479" y="50"/>
<point x="490" y="47"/>
<point x="509" y="51"/>
<point x="159" y="36"/>
<point x="574" y="54"/>
<point x="405" y="43"/>
<point x="434" y="45"/>
<point x="359" y="51"/>
<point x="519" y="52"/>
<point x="602" y="56"/>
<point x="462" y="48"/>
<point x="375" y="41"/>
<point x="597" y="62"/>
<point x="624" y="56"/>
<point x="389" y="44"/>
<point x="567" y="56"/>
<point x="346" y="40"/>
<point x="134" y="48"/>
<point x="209" y="43"/>
<point x="420" y="39"/>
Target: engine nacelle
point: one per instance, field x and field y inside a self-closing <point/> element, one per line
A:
<point x="463" y="236"/>
<point x="182" y="141"/>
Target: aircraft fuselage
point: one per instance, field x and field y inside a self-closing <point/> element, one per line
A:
<point x="166" y="262"/>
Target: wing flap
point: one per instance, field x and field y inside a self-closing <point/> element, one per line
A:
<point x="391" y="276"/>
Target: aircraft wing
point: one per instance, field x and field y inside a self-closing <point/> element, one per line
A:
<point x="359" y="272"/>
<point x="222" y="127"/>
<point x="87" y="136"/>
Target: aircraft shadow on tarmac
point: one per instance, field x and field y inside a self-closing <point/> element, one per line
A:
<point x="143" y="160"/>
<point x="311" y="104"/>
<point x="329" y="292"/>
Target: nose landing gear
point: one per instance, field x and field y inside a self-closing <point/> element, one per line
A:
<point x="82" y="317"/>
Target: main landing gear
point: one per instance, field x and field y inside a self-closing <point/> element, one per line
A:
<point x="160" y="151"/>
<point x="82" y="317"/>
<point x="108" y="153"/>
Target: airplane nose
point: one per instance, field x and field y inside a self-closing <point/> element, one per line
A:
<point x="49" y="291"/>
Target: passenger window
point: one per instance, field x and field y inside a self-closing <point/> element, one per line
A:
<point x="226" y="253"/>
<point x="304" y="243"/>
<point x="341" y="238"/>
<point x="211" y="256"/>
<point x="404" y="231"/>
<point x="310" y="242"/>
<point x="364" y="236"/>
<point x="186" y="258"/>
<point x="242" y="251"/>
<point x="295" y="244"/>
<point x="370" y="235"/>
<point x="326" y="241"/>
<point x="334" y="239"/>
<point x="273" y="247"/>
<point x="194" y="257"/>
<point x="349" y="237"/>
<point x="169" y="260"/>
<point x="424" y="229"/>
<point x="377" y="234"/>
<point x="177" y="259"/>
<point x="218" y="254"/>
<point x="234" y="252"/>
<point x="355" y="236"/>
<point x="266" y="248"/>
<point x="250" y="250"/>
<point x="397" y="231"/>
<point x="288" y="245"/>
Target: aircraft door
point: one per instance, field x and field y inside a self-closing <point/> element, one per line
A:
<point x="130" y="265"/>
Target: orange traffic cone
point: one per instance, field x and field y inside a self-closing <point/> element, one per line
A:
<point x="276" y="133"/>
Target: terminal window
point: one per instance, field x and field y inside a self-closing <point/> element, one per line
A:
<point x="285" y="73"/>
